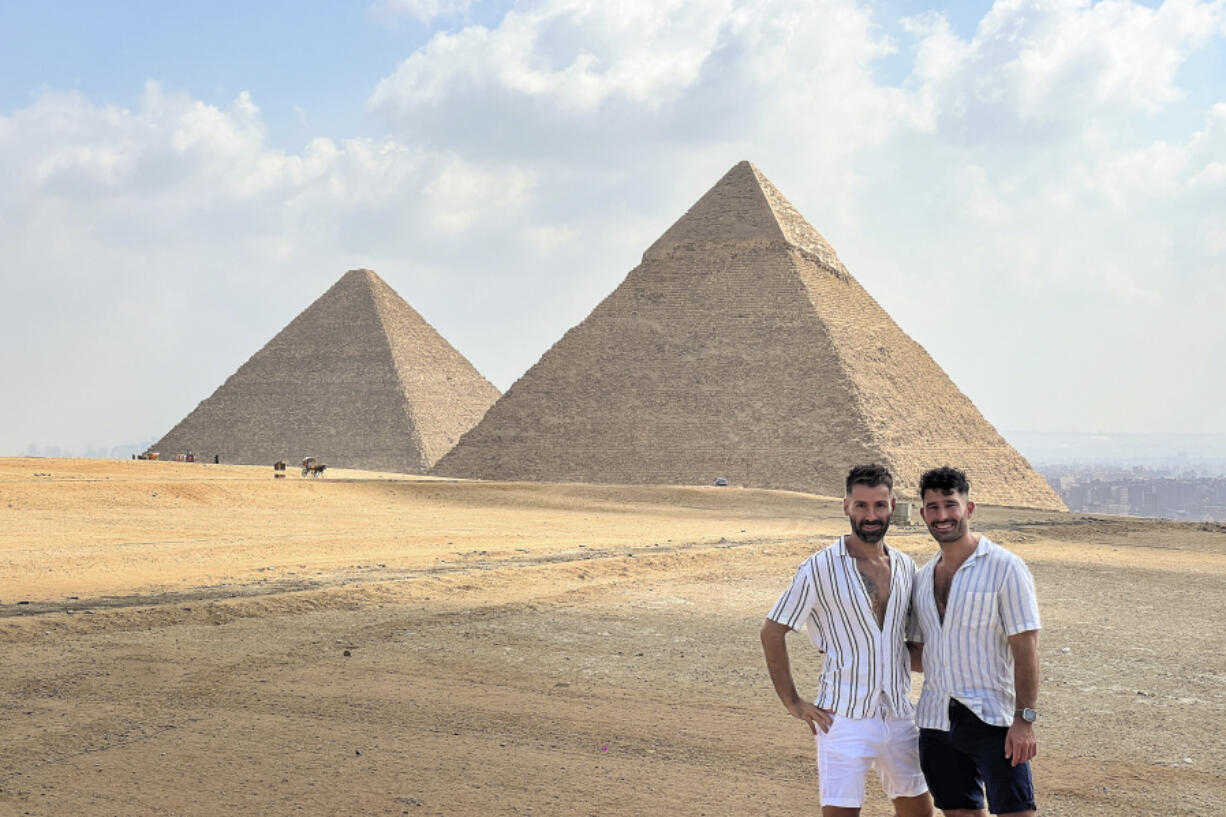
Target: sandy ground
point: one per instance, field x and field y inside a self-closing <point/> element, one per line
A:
<point x="188" y="639"/>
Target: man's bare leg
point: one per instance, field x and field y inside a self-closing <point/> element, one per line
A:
<point x="840" y="811"/>
<point x="965" y="812"/>
<point x="918" y="806"/>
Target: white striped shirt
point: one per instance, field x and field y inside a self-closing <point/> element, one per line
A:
<point x="967" y="656"/>
<point x="863" y="661"/>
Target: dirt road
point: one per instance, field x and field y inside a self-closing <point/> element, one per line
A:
<point x="521" y="649"/>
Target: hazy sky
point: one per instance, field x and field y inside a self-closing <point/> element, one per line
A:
<point x="1036" y="191"/>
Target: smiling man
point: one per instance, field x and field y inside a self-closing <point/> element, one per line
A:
<point x="978" y="620"/>
<point x="854" y="599"/>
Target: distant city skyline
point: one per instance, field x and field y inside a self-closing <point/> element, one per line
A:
<point x="1189" y="495"/>
<point x="1035" y="191"/>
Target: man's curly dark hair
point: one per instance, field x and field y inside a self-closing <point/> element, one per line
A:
<point x="946" y="480"/>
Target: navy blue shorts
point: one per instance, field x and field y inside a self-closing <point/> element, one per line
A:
<point x="961" y="763"/>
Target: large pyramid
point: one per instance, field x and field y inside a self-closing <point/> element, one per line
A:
<point x="740" y="347"/>
<point x="358" y="380"/>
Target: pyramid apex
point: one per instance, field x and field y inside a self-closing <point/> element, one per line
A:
<point x="734" y="211"/>
<point x="746" y="173"/>
<point x="797" y="231"/>
<point x="362" y="278"/>
<point x="744" y="207"/>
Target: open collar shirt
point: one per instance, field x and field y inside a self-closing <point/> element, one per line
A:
<point x="967" y="656"/>
<point x="865" y="664"/>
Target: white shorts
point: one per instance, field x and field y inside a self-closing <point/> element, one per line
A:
<point x="854" y="745"/>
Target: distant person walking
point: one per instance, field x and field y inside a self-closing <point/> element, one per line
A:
<point x="854" y="599"/>
<point x="977" y="617"/>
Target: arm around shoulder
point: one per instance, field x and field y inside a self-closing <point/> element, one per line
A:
<point x="916" y="650"/>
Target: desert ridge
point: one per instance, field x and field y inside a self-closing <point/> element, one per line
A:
<point x="205" y="639"/>
<point x="90" y="528"/>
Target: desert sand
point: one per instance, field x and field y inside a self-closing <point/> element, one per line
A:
<point x="192" y="639"/>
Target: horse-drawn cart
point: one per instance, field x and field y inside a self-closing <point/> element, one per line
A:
<point x="311" y="468"/>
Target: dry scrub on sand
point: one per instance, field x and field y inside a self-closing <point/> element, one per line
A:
<point x="204" y="640"/>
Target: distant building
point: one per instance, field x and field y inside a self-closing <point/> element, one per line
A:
<point x="1137" y="491"/>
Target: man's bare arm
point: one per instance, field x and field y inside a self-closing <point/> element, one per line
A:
<point x="1020" y="742"/>
<point x="775" y="647"/>
<point x="1025" y="648"/>
<point x="916" y="649"/>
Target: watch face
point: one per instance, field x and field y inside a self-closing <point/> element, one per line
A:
<point x="1029" y="715"/>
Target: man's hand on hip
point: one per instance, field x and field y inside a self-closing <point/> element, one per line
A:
<point x="810" y="714"/>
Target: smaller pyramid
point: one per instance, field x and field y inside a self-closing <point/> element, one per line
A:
<point x="358" y="380"/>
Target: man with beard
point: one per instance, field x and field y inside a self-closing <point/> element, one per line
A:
<point x="978" y="620"/>
<point x="854" y="598"/>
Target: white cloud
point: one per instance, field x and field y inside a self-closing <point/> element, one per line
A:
<point x="1039" y="70"/>
<point x="1013" y="183"/>
<point x="576" y="53"/>
<point x="460" y="193"/>
<point x="979" y="200"/>
<point x="175" y="234"/>
<point x="1163" y="171"/>
<point x="1035" y="113"/>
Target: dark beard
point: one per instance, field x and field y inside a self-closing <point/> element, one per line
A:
<point x="872" y="536"/>
<point x="954" y="534"/>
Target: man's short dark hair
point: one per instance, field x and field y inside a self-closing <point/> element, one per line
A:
<point x="945" y="480"/>
<point x="870" y="475"/>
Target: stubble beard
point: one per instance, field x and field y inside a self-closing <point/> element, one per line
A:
<point x="871" y="536"/>
<point x="952" y="534"/>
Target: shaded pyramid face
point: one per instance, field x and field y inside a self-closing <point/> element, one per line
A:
<point x="358" y="380"/>
<point x="740" y="347"/>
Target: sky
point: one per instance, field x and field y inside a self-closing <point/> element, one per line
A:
<point x="1035" y="190"/>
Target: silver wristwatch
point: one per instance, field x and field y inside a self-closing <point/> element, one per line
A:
<point x="1027" y="714"/>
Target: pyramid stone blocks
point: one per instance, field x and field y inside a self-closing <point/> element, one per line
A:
<point x="740" y="347"/>
<point x="358" y="380"/>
